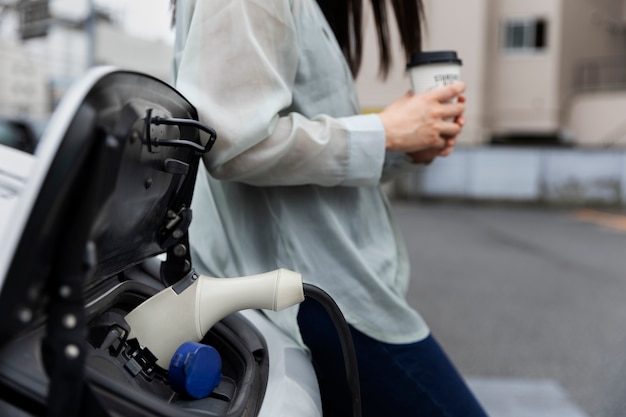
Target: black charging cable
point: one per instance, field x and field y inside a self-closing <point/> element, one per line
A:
<point x="345" y="338"/>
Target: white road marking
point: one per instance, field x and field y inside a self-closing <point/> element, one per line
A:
<point x="523" y="398"/>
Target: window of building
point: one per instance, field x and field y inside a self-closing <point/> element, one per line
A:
<point x="525" y="35"/>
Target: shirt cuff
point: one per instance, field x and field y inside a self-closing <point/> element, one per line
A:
<point x="366" y="149"/>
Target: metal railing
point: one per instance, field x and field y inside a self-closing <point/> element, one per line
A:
<point x="600" y="74"/>
<point x="603" y="74"/>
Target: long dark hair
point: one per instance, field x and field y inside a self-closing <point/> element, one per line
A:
<point x="346" y="19"/>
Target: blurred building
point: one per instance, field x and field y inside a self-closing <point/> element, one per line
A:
<point x="538" y="71"/>
<point x="35" y="71"/>
<point x="23" y="83"/>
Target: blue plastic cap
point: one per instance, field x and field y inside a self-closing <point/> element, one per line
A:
<point x="195" y="370"/>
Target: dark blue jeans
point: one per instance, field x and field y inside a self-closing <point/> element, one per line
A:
<point x="406" y="380"/>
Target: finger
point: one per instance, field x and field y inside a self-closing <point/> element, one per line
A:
<point x="423" y="157"/>
<point x="452" y="110"/>
<point x="460" y="120"/>
<point x="450" y="142"/>
<point x="448" y="92"/>
<point x="446" y="152"/>
<point x="449" y="129"/>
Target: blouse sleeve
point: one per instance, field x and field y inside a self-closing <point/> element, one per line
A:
<point x="236" y="61"/>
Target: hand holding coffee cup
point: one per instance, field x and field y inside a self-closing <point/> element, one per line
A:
<point x="428" y="70"/>
<point x="428" y="118"/>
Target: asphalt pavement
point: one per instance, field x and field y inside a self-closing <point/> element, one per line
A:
<point x="529" y="302"/>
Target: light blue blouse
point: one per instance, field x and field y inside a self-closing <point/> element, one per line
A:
<point x="293" y="180"/>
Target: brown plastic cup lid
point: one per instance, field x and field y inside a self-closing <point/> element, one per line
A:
<point x="433" y="57"/>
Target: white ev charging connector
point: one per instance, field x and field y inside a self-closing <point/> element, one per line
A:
<point x="187" y="310"/>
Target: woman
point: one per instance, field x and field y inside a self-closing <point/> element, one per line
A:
<point x="294" y="181"/>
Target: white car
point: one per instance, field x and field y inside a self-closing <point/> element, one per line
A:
<point x="93" y="224"/>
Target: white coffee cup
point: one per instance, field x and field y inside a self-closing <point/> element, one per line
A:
<point x="431" y="69"/>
